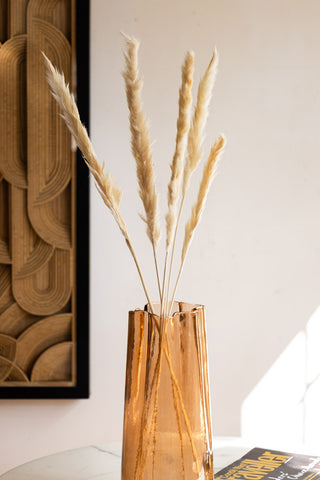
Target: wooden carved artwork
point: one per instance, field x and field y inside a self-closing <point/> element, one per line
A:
<point x="37" y="198"/>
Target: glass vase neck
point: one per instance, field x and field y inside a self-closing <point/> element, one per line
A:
<point x="178" y="309"/>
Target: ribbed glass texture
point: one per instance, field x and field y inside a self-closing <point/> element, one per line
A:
<point x="167" y="430"/>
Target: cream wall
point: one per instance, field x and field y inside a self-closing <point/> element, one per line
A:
<point x="255" y="260"/>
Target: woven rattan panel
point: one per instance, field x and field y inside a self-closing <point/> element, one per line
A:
<point x="37" y="198"/>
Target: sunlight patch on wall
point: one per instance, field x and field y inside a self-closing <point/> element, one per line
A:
<point x="283" y="410"/>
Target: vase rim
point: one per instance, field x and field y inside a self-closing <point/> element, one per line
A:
<point x="180" y="308"/>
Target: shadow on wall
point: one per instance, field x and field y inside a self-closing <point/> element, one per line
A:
<point x="283" y="410"/>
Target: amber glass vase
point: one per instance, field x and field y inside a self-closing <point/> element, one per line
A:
<point x="167" y="420"/>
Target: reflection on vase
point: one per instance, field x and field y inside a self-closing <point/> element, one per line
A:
<point x="167" y="421"/>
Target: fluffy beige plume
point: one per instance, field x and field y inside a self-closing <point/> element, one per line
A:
<point x="140" y="141"/>
<point x="106" y="185"/>
<point x="183" y="124"/>
<point x="196" y="133"/>
<point x="209" y="171"/>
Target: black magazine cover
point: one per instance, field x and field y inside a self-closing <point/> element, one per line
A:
<point x="261" y="464"/>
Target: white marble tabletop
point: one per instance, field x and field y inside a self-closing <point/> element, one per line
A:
<point x="103" y="462"/>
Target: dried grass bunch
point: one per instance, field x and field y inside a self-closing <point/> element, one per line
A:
<point x="187" y="156"/>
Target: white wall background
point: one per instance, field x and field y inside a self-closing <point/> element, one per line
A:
<point x="255" y="260"/>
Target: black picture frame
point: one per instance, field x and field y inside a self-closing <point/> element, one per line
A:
<point x="81" y="389"/>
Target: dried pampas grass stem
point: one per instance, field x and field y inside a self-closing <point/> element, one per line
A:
<point x="183" y="125"/>
<point x="209" y="172"/>
<point x="208" y="175"/>
<point x="141" y="147"/>
<point x="195" y="141"/>
<point x="199" y="120"/>
<point x="105" y="184"/>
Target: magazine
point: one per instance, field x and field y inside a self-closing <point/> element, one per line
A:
<point x="261" y="464"/>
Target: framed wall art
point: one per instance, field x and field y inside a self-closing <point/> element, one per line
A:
<point x="44" y="204"/>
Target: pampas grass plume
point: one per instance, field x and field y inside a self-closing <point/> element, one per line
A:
<point x="199" y="120"/>
<point x="209" y="172"/>
<point x="183" y="125"/>
<point x="140" y="142"/>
